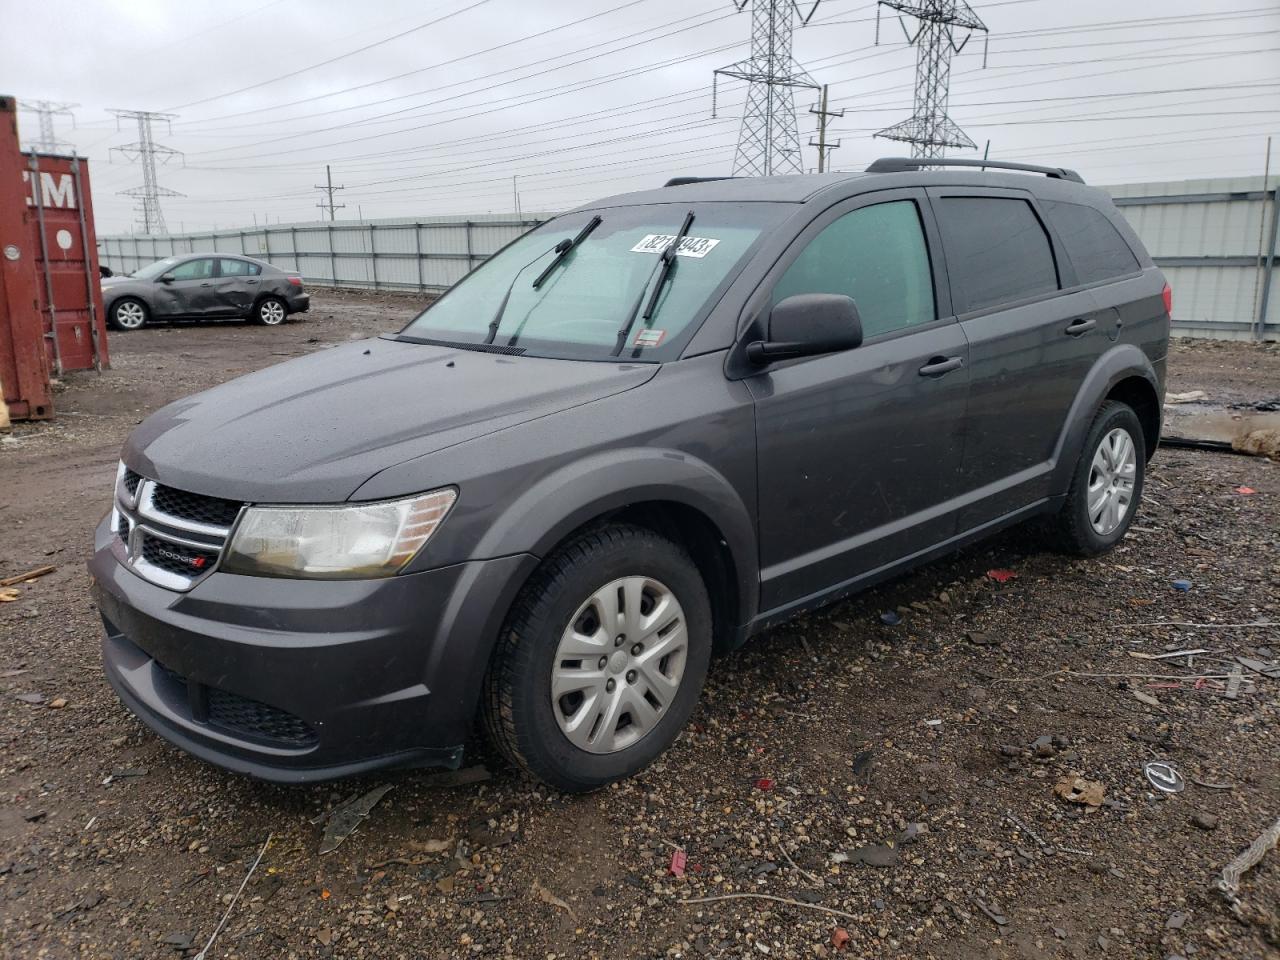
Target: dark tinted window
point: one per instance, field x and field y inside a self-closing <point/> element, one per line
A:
<point x="877" y="256"/>
<point x="997" y="251"/>
<point x="239" y="268"/>
<point x="1095" y="246"/>
<point x="193" y="270"/>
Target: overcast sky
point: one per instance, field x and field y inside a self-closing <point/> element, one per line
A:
<point x="582" y="99"/>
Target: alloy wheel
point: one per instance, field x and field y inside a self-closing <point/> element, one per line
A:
<point x="1112" y="475"/>
<point x="130" y="315"/>
<point x="271" y="312"/>
<point x="619" y="664"/>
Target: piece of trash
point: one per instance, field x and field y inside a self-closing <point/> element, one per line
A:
<point x="1076" y="789"/>
<point x="546" y="896"/>
<point x="839" y="857"/>
<point x="124" y="773"/>
<point x="343" y="820"/>
<point x="933" y="723"/>
<point x="891" y="618"/>
<point x="1002" y="576"/>
<point x="325" y="936"/>
<point x="7" y="674"/>
<point x="1229" y="883"/>
<point x="35" y="817"/>
<point x="999" y="919"/>
<point x="10" y="595"/>
<point x="30" y="697"/>
<point x="839" y="938"/>
<point x="1205" y="821"/>
<point x="764" y="783"/>
<point x="876" y="855"/>
<point x="912" y="833"/>
<point x="1246" y="491"/>
<point x="179" y="941"/>
<point x="1176" y="921"/>
<point x="1146" y="698"/>
<point x="1164" y="776"/>
<point x="231" y="904"/>
<point x="1191" y="396"/>
<point x="1167" y="656"/>
<point x="678" y="859"/>
<point x="1182" y="586"/>
<point x="28" y="576"/>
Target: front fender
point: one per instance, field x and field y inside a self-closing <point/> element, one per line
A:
<point x="570" y="497"/>
<point x="1122" y="361"/>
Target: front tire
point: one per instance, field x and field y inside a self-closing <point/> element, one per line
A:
<point x="128" y="314"/>
<point x="601" y="660"/>
<point x="270" y="312"/>
<point x="1107" y="484"/>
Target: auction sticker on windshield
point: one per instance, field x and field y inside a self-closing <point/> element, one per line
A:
<point x="697" y="247"/>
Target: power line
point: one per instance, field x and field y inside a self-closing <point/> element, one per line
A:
<point x="144" y="151"/>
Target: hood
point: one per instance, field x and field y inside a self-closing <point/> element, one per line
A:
<point x="115" y="279"/>
<point x="312" y="430"/>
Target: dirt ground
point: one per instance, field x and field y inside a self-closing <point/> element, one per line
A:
<point x="893" y="784"/>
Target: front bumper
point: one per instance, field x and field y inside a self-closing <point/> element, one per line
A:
<point x="296" y="680"/>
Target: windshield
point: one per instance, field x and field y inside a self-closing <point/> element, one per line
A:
<point x="153" y="270"/>
<point x="582" y="305"/>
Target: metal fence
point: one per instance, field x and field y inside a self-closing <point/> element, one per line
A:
<point x="421" y="255"/>
<point x="1215" y="239"/>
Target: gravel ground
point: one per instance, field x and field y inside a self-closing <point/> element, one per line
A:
<point x="895" y="784"/>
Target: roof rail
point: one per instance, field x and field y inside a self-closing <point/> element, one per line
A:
<point x="681" y="181"/>
<point x="900" y="164"/>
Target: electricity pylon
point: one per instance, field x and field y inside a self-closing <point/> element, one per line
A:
<point x="46" y="110"/>
<point x="769" y="139"/>
<point x="144" y="151"/>
<point x="929" y="130"/>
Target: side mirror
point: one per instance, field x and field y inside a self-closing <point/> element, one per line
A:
<point x="806" y="325"/>
<point x="167" y="278"/>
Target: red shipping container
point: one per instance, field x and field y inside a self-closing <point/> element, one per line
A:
<point x="51" y="316"/>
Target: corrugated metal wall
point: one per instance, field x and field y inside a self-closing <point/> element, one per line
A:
<point x="1215" y="239"/>
<point x="379" y="254"/>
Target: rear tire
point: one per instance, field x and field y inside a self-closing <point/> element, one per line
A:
<point x="1106" y="486"/>
<point x="635" y="605"/>
<point x="128" y="313"/>
<point x="270" y="312"/>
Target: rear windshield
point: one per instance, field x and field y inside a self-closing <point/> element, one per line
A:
<point x="582" y="305"/>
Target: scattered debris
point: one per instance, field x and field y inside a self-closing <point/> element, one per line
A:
<point x="1212" y="786"/>
<point x="546" y="896"/>
<point x="1233" y="682"/>
<point x="769" y="896"/>
<point x="1146" y="698"/>
<point x="1002" y="576"/>
<point x="1182" y="586"/>
<point x="231" y="906"/>
<point x="181" y="942"/>
<point x="891" y="617"/>
<point x="1173" y="654"/>
<point x="343" y="820"/>
<point x="876" y="855"/>
<point x="33" y="698"/>
<point x="1076" y="789"/>
<point x="57" y="703"/>
<point x="28" y="576"/>
<point x="124" y="773"/>
<point x="1190" y="396"/>
<point x="678" y="860"/>
<point x="1164" y="776"/>
<point x="1205" y="821"/>
<point x="999" y="919"/>
<point x="839" y="938"/>
<point x="1229" y="883"/>
<point x="10" y="595"/>
<point x="799" y="869"/>
<point x="1246" y="491"/>
<point x="764" y="783"/>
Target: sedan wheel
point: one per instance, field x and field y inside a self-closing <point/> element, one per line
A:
<point x="271" y="312"/>
<point x="128" y="315"/>
<point x="1111" y="479"/>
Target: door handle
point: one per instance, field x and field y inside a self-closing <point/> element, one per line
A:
<point x="937" y="366"/>
<point x="1082" y="326"/>
<point x="206" y="284"/>
<point x="251" y="281"/>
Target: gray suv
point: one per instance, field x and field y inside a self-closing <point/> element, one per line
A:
<point x="203" y="287"/>
<point x="641" y="433"/>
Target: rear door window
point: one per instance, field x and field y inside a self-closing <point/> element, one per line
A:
<point x="238" y="268"/>
<point x="997" y="251"/>
<point x="1095" y="246"/>
<point x="875" y="255"/>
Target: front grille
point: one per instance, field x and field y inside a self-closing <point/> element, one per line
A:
<point x="240" y="715"/>
<point x="195" y="507"/>
<point x="171" y="537"/>
<point x="258" y="720"/>
<point x="175" y="558"/>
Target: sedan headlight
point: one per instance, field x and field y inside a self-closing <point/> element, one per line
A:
<point x="345" y="542"/>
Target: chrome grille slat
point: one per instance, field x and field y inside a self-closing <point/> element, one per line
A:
<point x="170" y="550"/>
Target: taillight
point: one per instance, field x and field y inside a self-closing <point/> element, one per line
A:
<point x="297" y="282"/>
<point x="1167" y="295"/>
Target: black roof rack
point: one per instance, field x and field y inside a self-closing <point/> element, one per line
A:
<point x="900" y="164"/>
<point x="681" y="181"/>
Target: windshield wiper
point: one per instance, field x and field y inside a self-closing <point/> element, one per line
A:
<point x="563" y="251"/>
<point x="666" y="262"/>
<point x="502" y="307"/>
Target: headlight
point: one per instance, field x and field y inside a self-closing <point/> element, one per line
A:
<point x="336" y="543"/>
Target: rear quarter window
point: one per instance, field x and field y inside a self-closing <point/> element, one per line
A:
<point x="1095" y="246"/>
<point x="997" y="251"/>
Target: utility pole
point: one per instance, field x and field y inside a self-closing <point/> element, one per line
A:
<point x="515" y="193"/>
<point x="823" y="113"/>
<point x="144" y="151"/>
<point x="328" y="189"/>
<point x="769" y="140"/>
<point x="46" y="110"/>
<point x="929" y="130"/>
